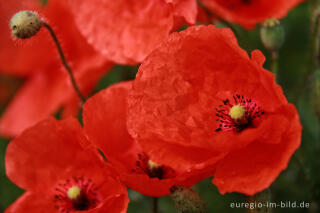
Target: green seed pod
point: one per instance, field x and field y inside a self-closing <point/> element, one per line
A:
<point x="25" y="24"/>
<point x="272" y="34"/>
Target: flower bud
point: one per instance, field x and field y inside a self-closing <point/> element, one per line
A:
<point x="272" y="34"/>
<point x="25" y="24"/>
<point x="187" y="200"/>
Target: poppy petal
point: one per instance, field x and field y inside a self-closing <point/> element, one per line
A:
<point x="255" y="167"/>
<point x="48" y="152"/>
<point x="125" y="31"/>
<point x="249" y="13"/>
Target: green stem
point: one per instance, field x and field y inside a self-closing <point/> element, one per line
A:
<point x="155" y="205"/>
<point x="64" y="61"/>
<point x="315" y="42"/>
<point x="275" y="62"/>
<point x="315" y="16"/>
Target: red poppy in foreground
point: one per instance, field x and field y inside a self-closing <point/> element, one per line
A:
<point x="199" y="99"/>
<point x="248" y="13"/>
<point x="50" y="161"/>
<point x="104" y="117"/>
<point x="48" y="87"/>
<point x="126" y="31"/>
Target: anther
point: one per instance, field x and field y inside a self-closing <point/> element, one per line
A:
<point x="74" y="192"/>
<point x="237" y="111"/>
<point x="152" y="165"/>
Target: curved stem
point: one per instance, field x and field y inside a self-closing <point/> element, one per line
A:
<point x="64" y="61"/>
<point x="155" y="205"/>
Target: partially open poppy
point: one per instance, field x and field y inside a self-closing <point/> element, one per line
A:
<point x="199" y="99"/>
<point x="52" y="163"/>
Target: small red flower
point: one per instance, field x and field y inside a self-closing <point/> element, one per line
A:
<point x="104" y="117"/>
<point x="51" y="162"/>
<point x="126" y="31"/>
<point x="248" y="13"/>
<point x="199" y="99"/>
<point x="48" y="86"/>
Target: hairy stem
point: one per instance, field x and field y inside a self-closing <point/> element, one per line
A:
<point x="155" y="205"/>
<point x="275" y="63"/>
<point x="64" y="61"/>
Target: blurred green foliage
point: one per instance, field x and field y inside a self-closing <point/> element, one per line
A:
<point x="300" y="182"/>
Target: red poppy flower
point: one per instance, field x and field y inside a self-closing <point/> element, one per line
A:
<point x="51" y="162"/>
<point x="48" y="87"/>
<point x="126" y="31"/>
<point x="248" y="13"/>
<point x="200" y="99"/>
<point x="104" y="117"/>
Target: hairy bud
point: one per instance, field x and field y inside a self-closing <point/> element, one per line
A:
<point x="25" y="24"/>
<point x="187" y="200"/>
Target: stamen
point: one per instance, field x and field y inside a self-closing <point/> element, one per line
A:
<point x="238" y="114"/>
<point x="237" y="111"/>
<point x="76" y="194"/>
<point x="152" y="165"/>
<point x="152" y="169"/>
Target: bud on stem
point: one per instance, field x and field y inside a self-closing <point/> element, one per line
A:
<point x="25" y="24"/>
<point x="187" y="201"/>
<point x="272" y="34"/>
<point x="272" y="37"/>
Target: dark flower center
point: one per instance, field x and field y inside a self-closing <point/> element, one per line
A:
<point x="145" y="166"/>
<point x="232" y="4"/>
<point x="238" y="114"/>
<point x="75" y="194"/>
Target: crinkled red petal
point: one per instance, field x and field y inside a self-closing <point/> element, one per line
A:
<point x="256" y="166"/>
<point x="104" y="117"/>
<point x="125" y="31"/>
<point x="49" y="152"/>
<point x="40" y="201"/>
<point x="32" y="203"/>
<point x="174" y="104"/>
